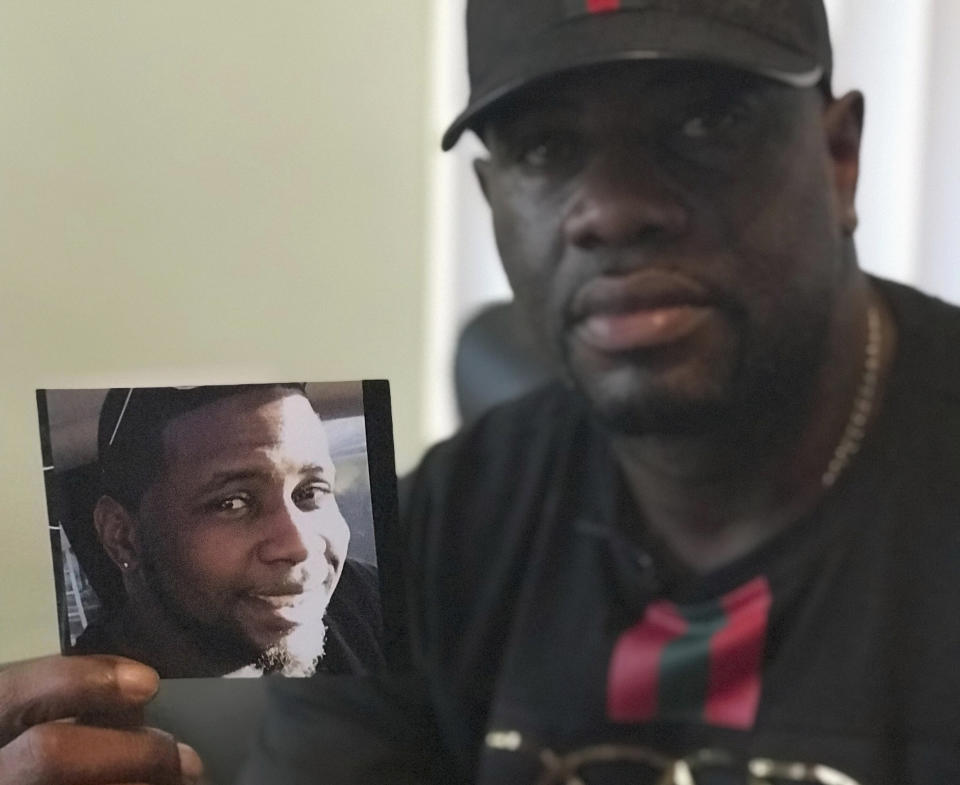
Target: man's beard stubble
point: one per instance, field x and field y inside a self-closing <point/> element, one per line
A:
<point x="297" y="654"/>
<point x="765" y="397"/>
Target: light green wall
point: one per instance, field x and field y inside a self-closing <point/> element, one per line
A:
<point x="199" y="192"/>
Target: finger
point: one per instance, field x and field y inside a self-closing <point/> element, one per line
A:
<point x="69" y="754"/>
<point x="122" y="718"/>
<point x="53" y="688"/>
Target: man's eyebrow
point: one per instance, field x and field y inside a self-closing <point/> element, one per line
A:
<point x="226" y="476"/>
<point x="221" y="478"/>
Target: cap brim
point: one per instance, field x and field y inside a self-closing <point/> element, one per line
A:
<point x="646" y="35"/>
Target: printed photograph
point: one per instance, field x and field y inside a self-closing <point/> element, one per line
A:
<point x="225" y="530"/>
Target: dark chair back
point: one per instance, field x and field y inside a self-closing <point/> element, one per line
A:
<point x="497" y="358"/>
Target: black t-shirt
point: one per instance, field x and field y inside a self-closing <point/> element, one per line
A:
<point x="540" y="632"/>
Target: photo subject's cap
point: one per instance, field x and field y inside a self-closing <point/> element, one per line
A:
<point x="512" y="43"/>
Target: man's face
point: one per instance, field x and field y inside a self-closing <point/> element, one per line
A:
<point x="241" y="534"/>
<point x="673" y="233"/>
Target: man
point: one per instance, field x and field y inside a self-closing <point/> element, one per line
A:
<point x="218" y="510"/>
<point x="725" y="554"/>
<point x="724" y="548"/>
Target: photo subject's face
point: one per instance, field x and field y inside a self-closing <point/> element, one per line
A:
<point x="242" y="530"/>
<point x="670" y="231"/>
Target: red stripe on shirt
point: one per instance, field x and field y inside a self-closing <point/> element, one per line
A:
<point x="598" y="6"/>
<point x="736" y="657"/>
<point x="635" y="664"/>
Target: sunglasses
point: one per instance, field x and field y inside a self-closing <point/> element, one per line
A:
<point x="704" y="767"/>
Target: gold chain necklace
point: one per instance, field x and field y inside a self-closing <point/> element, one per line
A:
<point x="863" y="403"/>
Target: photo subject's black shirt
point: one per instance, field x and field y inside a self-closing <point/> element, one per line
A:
<point x="535" y="624"/>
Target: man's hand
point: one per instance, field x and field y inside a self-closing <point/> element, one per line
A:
<point x="76" y="721"/>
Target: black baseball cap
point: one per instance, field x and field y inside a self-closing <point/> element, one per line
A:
<point x="511" y="43"/>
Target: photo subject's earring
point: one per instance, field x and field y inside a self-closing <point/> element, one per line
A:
<point x="852" y="221"/>
<point x="124" y="565"/>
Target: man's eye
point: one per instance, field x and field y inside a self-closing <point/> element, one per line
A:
<point x="309" y="497"/>
<point x="706" y="125"/>
<point x="548" y="151"/>
<point x="233" y="505"/>
<point x="723" y="120"/>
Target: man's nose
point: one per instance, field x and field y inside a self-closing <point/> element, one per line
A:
<point x="623" y="199"/>
<point x="285" y="536"/>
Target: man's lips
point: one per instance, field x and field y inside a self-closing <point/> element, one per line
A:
<point x="280" y="597"/>
<point x="278" y="601"/>
<point x="641" y="310"/>
<point x="641" y="329"/>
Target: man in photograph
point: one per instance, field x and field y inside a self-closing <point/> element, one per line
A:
<point x="218" y="508"/>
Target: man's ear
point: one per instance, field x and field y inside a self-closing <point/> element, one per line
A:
<point x="117" y="531"/>
<point x="481" y="167"/>
<point x="843" y="123"/>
